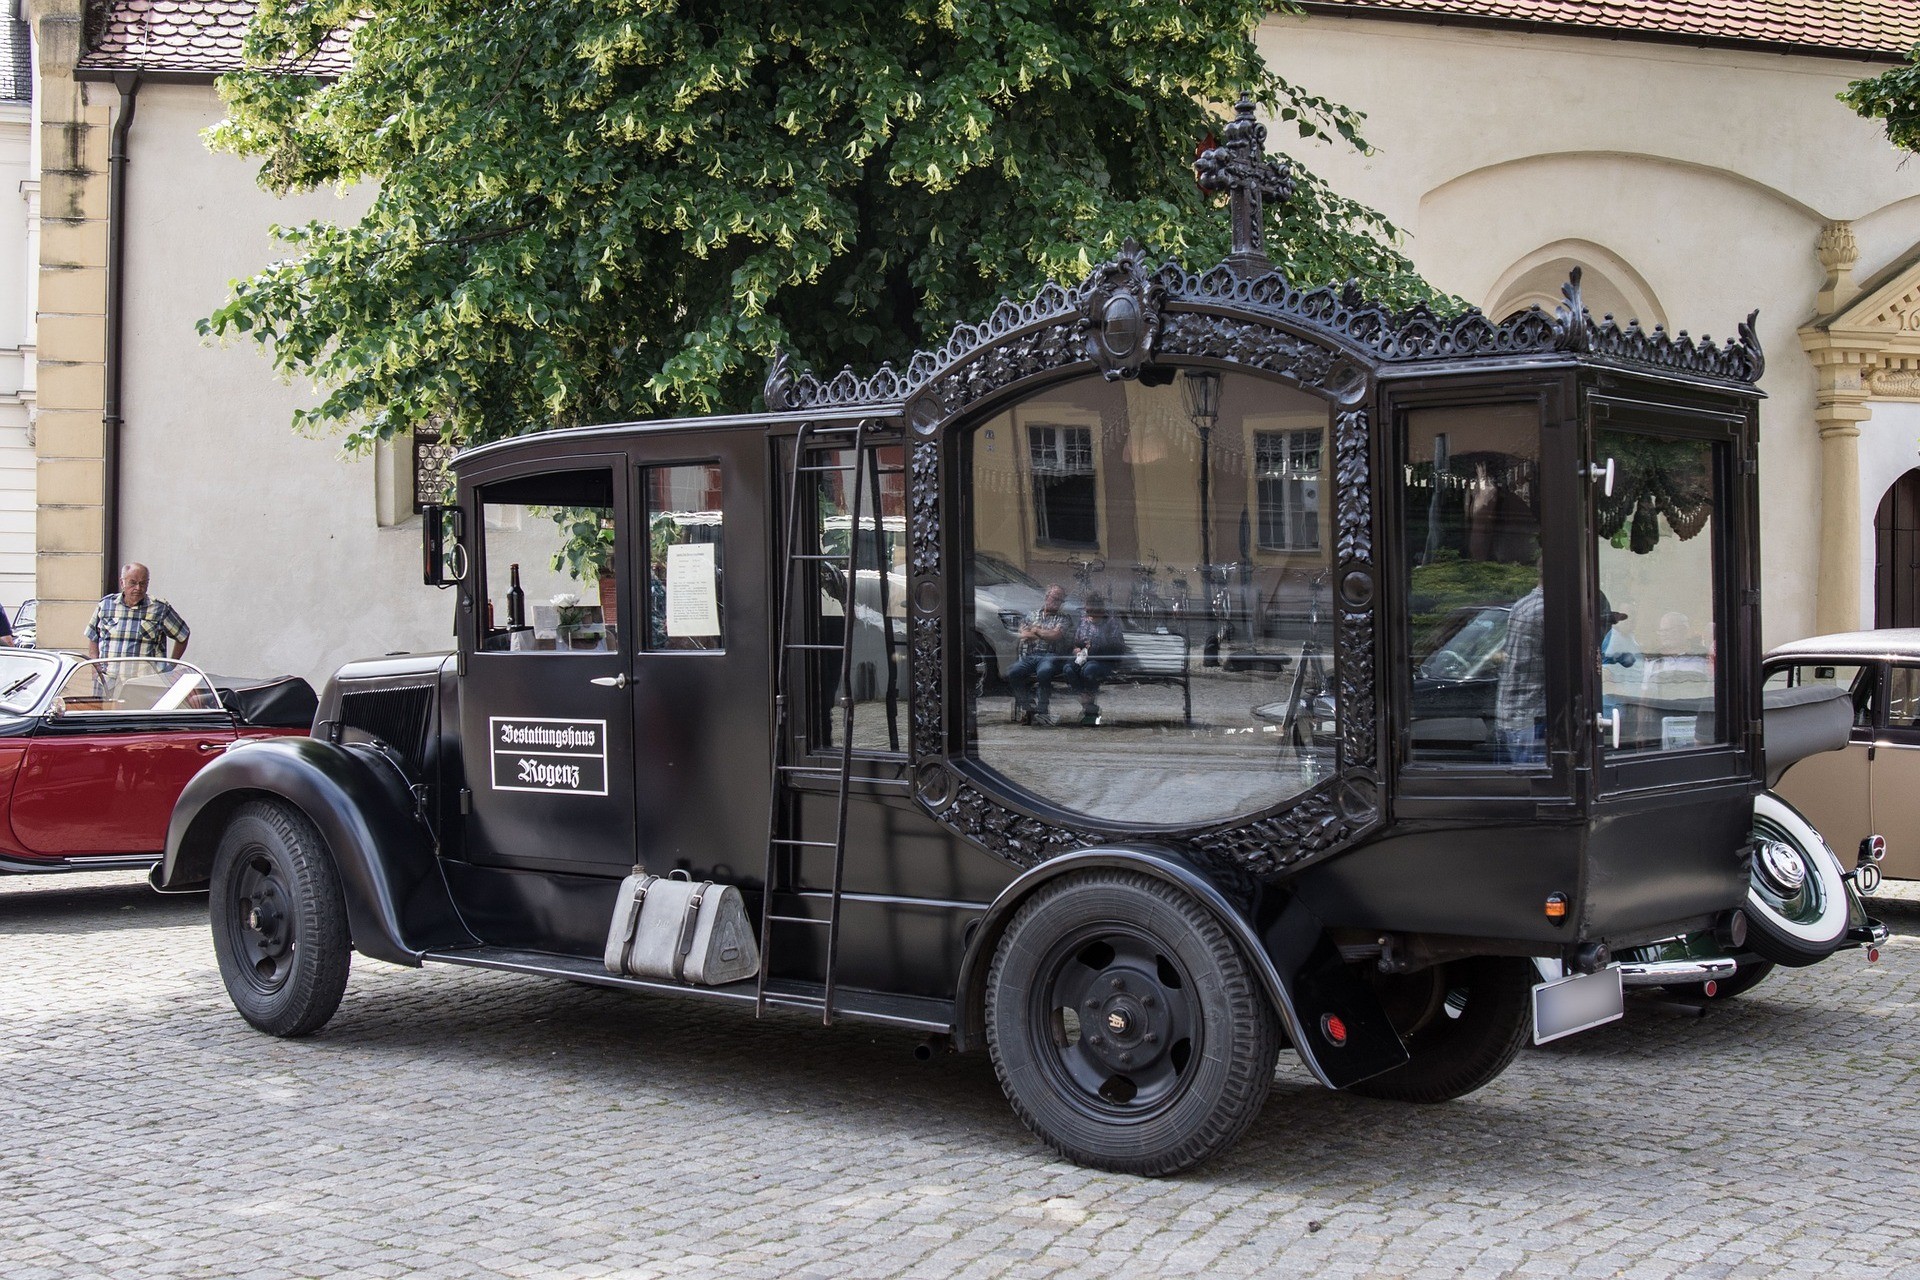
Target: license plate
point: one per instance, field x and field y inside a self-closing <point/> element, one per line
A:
<point x="1567" y="1005"/>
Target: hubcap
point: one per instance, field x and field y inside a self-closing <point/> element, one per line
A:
<point x="264" y="939"/>
<point x="1782" y="866"/>
<point x="1116" y="1022"/>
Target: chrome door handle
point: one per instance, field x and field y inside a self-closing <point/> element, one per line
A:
<point x="1611" y="721"/>
<point x="1602" y="474"/>
<point x="612" y="682"/>
<point x="212" y="746"/>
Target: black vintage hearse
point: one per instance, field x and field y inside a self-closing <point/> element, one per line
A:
<point x="1464" y="671"/>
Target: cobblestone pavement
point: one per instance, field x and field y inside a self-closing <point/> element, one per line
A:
<point x="461" y="1123"/>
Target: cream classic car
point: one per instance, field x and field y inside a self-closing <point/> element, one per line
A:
<point x="1873" y="784"/>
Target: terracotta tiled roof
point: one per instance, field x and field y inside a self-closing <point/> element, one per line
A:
<point x="187" y="37"/>
<point x="1875" y="28"/>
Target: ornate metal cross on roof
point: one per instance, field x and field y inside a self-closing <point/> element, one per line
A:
<point x="1239" y="166"/>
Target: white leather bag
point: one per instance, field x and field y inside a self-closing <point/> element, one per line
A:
<point x="685" y="931"/>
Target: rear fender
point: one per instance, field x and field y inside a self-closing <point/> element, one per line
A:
<point x="1299" y="967"/>
<point x="397" y="902"/>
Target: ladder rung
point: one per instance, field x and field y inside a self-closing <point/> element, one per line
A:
<point x="820" y="471"/>
<point x="798" y="920"/>
<point x="805" y="844"/>
<point x="810" y="556"/>
<point x="815" y="648"/>
<point x="816" y="773"/>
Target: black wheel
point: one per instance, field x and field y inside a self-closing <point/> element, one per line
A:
<point x="1796" y="899"/>
<point x="1749" y="975"/>
<point x="279" y="926"/>
<point x="1462" y="1022"/>
<point x="1128" y="1031"/>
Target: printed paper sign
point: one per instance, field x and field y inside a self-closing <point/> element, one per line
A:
<point x="568" y="756"/>
<point x="693" y="590"/>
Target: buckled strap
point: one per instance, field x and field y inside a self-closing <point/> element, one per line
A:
<point x="633" y="925"/>
<point x="689" y="925"/>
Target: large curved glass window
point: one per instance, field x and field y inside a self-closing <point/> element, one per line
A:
<point x="1150" y="620"/>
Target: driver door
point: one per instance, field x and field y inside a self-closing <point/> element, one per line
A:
<point x="545" y="717"/>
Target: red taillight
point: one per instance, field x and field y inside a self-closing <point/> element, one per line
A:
<point x="1873" y="955"/>
<point x="1711" y="987"/>
<point x="1333" y="1029"/>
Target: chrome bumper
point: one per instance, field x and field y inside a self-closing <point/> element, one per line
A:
<point x="1661" y="973"/>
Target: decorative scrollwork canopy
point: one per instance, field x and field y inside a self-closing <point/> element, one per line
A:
<point x="1121" y="320"/>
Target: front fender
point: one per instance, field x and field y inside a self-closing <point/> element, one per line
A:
<point x="397" y="902"/>
<point x="1299" y="967"/>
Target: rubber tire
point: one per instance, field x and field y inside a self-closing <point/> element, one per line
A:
<point x="1227" y="1076"/>
<point x="264" y="833"/>
<point x="1749" y="975"/>
<point x="1770" y="935"/>
<point x="1450" y="1057"/>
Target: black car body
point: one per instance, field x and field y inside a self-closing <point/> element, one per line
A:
<point x="912" y="855"/>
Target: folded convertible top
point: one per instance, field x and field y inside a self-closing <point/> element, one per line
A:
<point x="274" y="702"/>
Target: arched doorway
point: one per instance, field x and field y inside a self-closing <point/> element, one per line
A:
<point x="1896" y="568"/>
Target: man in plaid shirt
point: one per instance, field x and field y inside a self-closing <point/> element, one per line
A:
<point x="132" y="624"/>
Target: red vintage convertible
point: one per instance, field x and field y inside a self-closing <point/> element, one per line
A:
<point x="93" y="752"/>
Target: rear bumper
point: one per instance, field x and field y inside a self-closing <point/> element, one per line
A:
<point x="1663" y="973"/>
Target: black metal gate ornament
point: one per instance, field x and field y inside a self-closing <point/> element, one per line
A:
<point x="1239" y="314"/>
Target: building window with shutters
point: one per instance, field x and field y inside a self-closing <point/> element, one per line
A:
<point x="1065" y="505"/>
<point x="1287" y="466"/>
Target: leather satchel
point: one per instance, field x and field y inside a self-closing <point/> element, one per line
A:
<point x="683" y="930"/>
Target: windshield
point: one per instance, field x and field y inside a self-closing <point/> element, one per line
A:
<point x="123" y="685"/>
<point x="23" y="680"/>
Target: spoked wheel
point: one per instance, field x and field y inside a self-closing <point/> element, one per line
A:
<point x="1126" y="1028"/>
<point x="279" y="925"/>
<point x="1462" y="1023"/>
<point x="1796" y="899"/>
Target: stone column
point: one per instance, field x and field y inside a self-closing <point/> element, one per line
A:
<point x="1841" y="408"/>
<point x="71" y="351"/>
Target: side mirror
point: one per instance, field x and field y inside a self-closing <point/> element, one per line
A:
<point x="443" y="551"/>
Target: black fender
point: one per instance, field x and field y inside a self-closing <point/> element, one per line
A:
<point x="1300" y="968"/>
<point x="398" y="906"/>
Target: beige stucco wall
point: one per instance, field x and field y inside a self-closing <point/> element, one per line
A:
<point x="1708" y="173"/>
<point x="266" y="541"/>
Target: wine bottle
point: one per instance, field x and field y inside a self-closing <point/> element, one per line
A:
<point x="516" y="601"/>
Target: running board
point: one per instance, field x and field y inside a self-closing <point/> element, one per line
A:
<point x="914" y="1013"/>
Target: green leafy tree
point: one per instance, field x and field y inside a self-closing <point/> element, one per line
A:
<point x="1894" y="97"/>
<point x="599" y="209"/>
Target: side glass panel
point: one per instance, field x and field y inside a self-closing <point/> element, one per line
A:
<point x="686" y="608"/>
<point x="1903" y="703"/>
<point x="1476" y="601"/>
<point x="879" y="674"/>
<point x="1660" y="630"/>
<point x="134" y="685"/>
<point x="1147" y="601"/>
<point x="548" y="547"/>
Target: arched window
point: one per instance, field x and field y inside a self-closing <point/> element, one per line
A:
<point x="1148" y="576"/>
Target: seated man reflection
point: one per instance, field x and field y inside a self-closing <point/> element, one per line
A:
<point x="1043" y="658"/>
<point x="1098" y="646"/>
